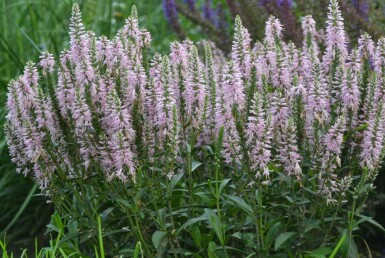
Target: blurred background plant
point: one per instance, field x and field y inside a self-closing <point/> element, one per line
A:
<point x="214" y="17"/>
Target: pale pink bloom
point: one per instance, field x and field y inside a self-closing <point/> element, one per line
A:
<point x="47" y="62"/>
<point x="233" y="87"/>
<point x="335" y="36"/>
<point x="366" y="46"/>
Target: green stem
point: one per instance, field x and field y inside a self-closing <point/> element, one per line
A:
<point x="351" y="221"/>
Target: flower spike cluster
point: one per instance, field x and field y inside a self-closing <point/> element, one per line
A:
<point x="284" y="110"/>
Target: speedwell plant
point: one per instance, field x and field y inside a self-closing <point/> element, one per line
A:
<point x="270" y="151"/>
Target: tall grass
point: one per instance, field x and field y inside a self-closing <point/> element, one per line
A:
<point x="28" y="27"/>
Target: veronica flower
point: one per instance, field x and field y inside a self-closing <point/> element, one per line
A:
<point x="373" y="96"/>
<point x="45" y="117"/>
<point x="231" y="140"/>
<point x="165" y="97"/>
<point x="14" y="129"/>
<point x="350" y="91"/>
<point x="379" y="61"/>
<point x="310" y="45"/>
<point x="131" y="32"/>
<point x="317" y="104"/>
<point x="194" y="92"/>
<point x="273" y="30"/>
<point x="241" y="48"/>
<point x="331" y="160"/>
<point x="258" y="134"/>
<point x="121" y="157"/>
<point x="179" y="58"/>
<point x="292" y="62"/>
<point x="365" y="46"/>
<point x="120" y="135"/>
<point x="335" y="36"/>
<point x="77" y="32"/>
<point x="211" y="91"/>
<point x="233" y="87"/>
<point x="372" y="144"/>
<point x="16" y="147"/>
<point x="84" y="129"/>
<point x="288" y="151"/>
<point x="47" y="62"/>
<point x="65" y="92"/>
<point x="279" y="110"/>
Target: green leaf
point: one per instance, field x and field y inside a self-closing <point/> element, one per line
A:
<point x="271" y="233"/>
<point x="237" y="235"/>
<point x="106" y="212"/>
<point x="216" y="224"/>
<point x="196" y="235"/>
<point x="282" y="238"/>
<point x="204" y="197"/>
<point x="319" y="253"/>
<point x="157" y="238"/>
<point x="191" y="222"/>
<point x="174" y="181"/>
<point x="222" y="185"/>
<point x="195" y="164"/>
<point x="370" y="220"/>
<point x="240" y="203"/>
<point x="138" y="248"/>
<point x="211" y="250"/>
<point x="124" y="202"/>
<point x="289" y="199"/>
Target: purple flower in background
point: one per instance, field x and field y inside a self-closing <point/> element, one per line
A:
<point x="170" y="11"/>
<point x="208" y="12"/>
<point x="269" y="5"/>
<point x="190" y="4"/>
<point x="284" y="3"/>
<point x="219" y="20"/>
<point x="362" y="7"/>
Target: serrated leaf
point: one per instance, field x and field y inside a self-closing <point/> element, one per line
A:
<point x="216" y="224"/>
<point x="282" y="238"/>
<point x="370" y="220"/>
